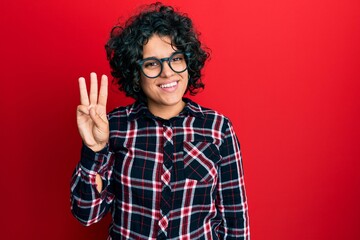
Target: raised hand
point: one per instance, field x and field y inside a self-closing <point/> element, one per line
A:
<point x="91" y="113"/>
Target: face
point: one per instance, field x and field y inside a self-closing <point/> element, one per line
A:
<point x="165" y="92"/>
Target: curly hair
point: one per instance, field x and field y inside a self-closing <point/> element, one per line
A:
<point x="125" y="46"/>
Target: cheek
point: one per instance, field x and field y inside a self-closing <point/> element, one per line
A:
<point x="185" y="76"/>
<point x="144" y="83"/>
<point x="146" y="86"/>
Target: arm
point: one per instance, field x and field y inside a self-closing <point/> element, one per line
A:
<point x="231" y="197"/>
<point x="88" y="204"/>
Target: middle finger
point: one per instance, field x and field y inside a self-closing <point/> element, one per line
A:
<point x="93" y="88"/>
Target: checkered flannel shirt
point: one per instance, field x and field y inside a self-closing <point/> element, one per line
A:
<point x="165" y="179"/>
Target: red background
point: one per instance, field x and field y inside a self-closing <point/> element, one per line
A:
<point x="286" y="72"/>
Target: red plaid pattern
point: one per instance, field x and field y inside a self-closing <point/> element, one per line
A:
<point x="168" y="134"/>
<point x="163" y="223"/>
<point x="165" y="179"/>
<point x="167" y="165"/>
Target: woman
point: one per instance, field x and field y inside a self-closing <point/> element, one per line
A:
<point x="164" y="166"/>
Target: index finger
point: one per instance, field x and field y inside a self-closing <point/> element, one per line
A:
<point x="103" y="93"/>
<point x="84" y="98"/>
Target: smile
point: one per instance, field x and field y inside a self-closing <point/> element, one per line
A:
<point x="168" y="85"/>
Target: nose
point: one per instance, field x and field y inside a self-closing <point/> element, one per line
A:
<point x="166" y="71"/>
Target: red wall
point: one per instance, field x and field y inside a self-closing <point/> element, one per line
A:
<point x="286" y="72"/>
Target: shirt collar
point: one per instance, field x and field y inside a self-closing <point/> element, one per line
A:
<point x="139" y="109"/>
<point x="192" y="108"/>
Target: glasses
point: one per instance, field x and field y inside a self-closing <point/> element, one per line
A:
<point x="152" y="67"/>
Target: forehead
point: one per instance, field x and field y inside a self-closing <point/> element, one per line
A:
<point x="158" y="46"/>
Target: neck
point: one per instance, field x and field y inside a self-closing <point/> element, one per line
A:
<point x="166" y="112"/>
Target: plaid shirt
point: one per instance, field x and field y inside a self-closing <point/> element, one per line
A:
<point x="165" y="179"/>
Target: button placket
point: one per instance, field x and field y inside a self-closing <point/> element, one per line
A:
<point x="165" y="205"/>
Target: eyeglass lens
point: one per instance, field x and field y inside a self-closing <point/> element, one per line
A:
<point x="152" y="67"/>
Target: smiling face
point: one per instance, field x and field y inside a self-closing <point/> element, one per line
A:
<point x="164" y="93"/>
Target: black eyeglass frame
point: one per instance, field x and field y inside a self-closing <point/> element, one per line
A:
<point x="162" y="60"/>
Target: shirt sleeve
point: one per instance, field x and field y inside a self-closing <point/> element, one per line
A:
<point x="87" y="204"/>
<point x="231" y="197"/>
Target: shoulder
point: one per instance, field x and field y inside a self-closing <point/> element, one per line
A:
<point x="119" y="112"/>
<point x="210" y="117"/>
<point x="121" y="118"/>
<point x="206" y="112"/>
<point x="126" y="111"/>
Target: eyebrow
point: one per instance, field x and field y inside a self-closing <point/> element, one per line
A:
<point x="161" y="57"/>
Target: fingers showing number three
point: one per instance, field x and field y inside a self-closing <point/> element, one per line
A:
<point x="93" y="100"/>
<point x="92" y="121"/>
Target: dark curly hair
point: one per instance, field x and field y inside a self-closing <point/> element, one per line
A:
<point x="125" y="46"/>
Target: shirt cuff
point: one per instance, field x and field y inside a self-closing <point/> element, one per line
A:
<point x="92" y="160"/>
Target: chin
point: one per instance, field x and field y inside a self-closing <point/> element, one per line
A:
<point x="172" y="101"/>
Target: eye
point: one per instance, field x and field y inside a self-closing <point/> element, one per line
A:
<point x="151" y="64"/>
<point x="177" y="58"/>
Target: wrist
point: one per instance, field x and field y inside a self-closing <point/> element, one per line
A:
<point x="97" y="147"/>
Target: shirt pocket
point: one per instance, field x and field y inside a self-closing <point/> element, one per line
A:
<point x="201" y="161"/>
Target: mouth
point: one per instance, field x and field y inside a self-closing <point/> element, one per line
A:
<point x="168" y="85"/>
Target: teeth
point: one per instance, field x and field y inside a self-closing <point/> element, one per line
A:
<point x="168" y="85"/>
